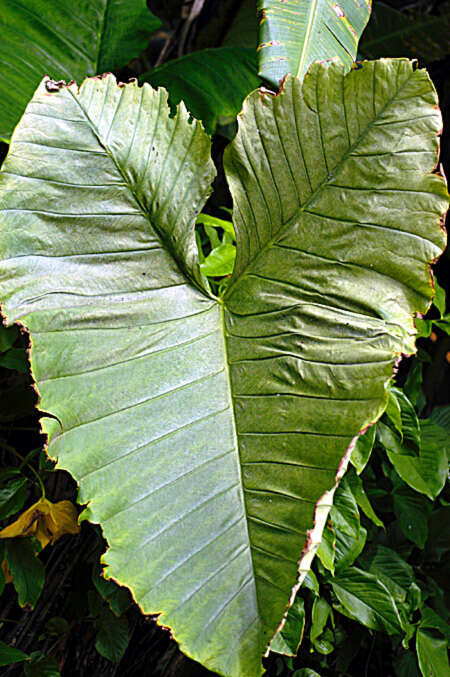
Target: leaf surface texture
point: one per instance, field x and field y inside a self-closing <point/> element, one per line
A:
<point x="203" y="432"/>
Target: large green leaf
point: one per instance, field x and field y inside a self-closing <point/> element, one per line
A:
<point x="212" y="82"/>
<point x="49" y="36"/>
<point x="294" y="33"/>
<point x="203" y="432"/>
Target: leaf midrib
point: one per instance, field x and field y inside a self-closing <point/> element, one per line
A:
<point x="142" y="210"/>
<point x="332" y="174"/>
<point x="308" y="34"/>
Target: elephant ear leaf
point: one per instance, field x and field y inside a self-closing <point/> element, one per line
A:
<point x="337" y="219"/>
<point x="203" y="432"/>
<point x="294" y="33"/>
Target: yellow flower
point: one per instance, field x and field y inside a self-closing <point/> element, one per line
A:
<point x="46" y="521"/>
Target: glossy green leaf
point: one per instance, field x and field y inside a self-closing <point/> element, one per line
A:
<point x="311" y="582"/>
<point x="213" y="476"/>
<point x="357" y="487"/>
<point x="430" y="619"/>
<point x="393" y="410"/>
<point x="348" y="548"/>
<point x="432" y="653"/>
<point x="26" y="569"/>
<point x="287" y="640"/>
<point x="391" y="569"/>
<point x="410" y="428"/>
<point x="344" y="513"/>
<point x="212" y="82"/>
<point x="366" y="599"/>
<point x="47" y="36"/>
<point x="220" y="261"/>
<point x="320" y="636"/>
<point x="426" y="473"/>
<point x="362" y="449"/>
<point x="439" y="298"/>
<point x="294" y="33"/>
<point x="326" y="549"/>
<point x="215" y="222"/>
<point x="10" y="655"/>
<point x="393" y="33"/>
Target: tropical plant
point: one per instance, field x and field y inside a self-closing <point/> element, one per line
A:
<point x="208" y="420"/>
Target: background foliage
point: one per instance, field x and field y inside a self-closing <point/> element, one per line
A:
<point x="377" y="598"/>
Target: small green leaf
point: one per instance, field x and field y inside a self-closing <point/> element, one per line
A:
<point x="305" y="672"/>
<point x="215" y="222"/>
<point x="344" y="513"/>
<point x="322" y="641"/>
<point x="439" y="297"/>
<point x="220" y="261"/>
<point x="326" y="549"/>
<point x="118" y="597"/>
<point x="413" y="385"/>
<point x="410" y="428"/>
<point x="357" y="487"/>
<point x="362" y="449"/>
<point x="287" y="641"/>
<point x="444" y="324"/>
<point x="394" y="412"/>
<point x="391" y="569"/>
<point x="424" y="327"/>
<point x="432" y="653"/>
<point x="367" y="600"/>
<point x="430" y="619"/>
<point x="348" y="548"/>
<point x="311" y="582"/>
<point x="390" y="441"/>
<point x="9" y="655"/>
<point x="26" y="569"/>
<point x="412" y="511"/>
<point x="427" y="472"/>
<point x="113" y="636"/>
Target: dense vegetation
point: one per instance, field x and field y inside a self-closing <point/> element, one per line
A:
<point x="277" y="239"/>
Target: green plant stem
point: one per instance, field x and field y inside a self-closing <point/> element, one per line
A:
<point x="8" y="447"/>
